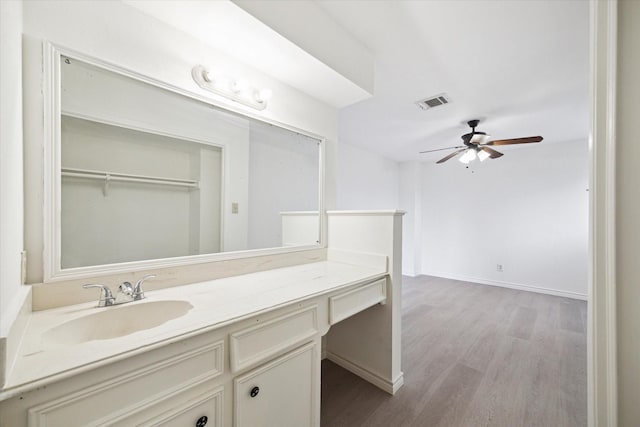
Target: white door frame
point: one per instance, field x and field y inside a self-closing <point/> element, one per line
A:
<point x="601" y="337"/>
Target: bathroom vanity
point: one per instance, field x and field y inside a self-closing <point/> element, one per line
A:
<point x="240" y="351"/>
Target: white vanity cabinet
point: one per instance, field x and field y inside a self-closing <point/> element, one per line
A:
<point x="207" y="375"/>
<point x="255" y="370"/>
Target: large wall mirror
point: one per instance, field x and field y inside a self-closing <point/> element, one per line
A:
<point x="145" y="174"/>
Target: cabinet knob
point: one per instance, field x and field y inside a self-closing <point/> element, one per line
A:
<point x="202" y="421"/>
<point x="254" y="391"/>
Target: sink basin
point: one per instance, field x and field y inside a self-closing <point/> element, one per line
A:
<point x="115" y="322"/>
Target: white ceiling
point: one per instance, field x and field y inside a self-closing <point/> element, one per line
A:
<point x="229" y="29"/>
<point x="520" y="65"/>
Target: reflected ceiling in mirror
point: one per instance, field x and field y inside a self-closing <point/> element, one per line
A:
<point x="146" y="173"/>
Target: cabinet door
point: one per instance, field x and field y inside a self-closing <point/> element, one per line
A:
<point x="282" y="393"/>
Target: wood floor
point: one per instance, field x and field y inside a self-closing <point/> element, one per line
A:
<point x="474" y="355"/>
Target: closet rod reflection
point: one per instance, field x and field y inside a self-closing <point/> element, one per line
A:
<point x="101" y="175"/>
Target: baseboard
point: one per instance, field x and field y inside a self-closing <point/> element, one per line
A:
<point x="410" y="274"/>
<point x="518" y="286"/>
<point x="385" y="385"/>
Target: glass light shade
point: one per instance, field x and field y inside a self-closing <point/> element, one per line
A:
<point x="468" y="156"/>
<point x="483" y="155"/>
<point x="480" y="139"/>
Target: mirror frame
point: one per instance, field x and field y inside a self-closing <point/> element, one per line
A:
<point x="52" y="270"/>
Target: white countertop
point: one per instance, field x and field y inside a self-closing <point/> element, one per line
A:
<point x="216" y="303"/>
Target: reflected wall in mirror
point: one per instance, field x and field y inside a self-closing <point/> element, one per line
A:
<point x="147" y="173"/>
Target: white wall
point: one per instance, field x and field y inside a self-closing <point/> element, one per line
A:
<point x="124" y="36"/>
<point x="11" y="199"/>
<point x="283" y="176"/>
<point x="527" y="211"/>
<point x="411" y="202"/>
<point x="628" y="214"/>
<point x="366" y="180"/>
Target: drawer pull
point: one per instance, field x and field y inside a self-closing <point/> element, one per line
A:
<point x="254" y="391"/>
<point x="202" y="421"/>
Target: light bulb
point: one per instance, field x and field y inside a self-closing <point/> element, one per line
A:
<point x="206" y="76"/>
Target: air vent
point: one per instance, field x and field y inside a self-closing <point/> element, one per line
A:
<point x="433" y="101"/>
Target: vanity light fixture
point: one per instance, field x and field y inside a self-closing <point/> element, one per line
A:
<point x="236" y="90"/>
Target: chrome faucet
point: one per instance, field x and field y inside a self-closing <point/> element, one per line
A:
<point x="106" y="297"/>
<point x="138" y="291"/>
<point x="126" y="292"/>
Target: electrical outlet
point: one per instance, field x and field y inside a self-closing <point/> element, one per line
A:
<point x="234" y="207"/>
<point x="499" y="268"/>
<point x="23" y="267"/>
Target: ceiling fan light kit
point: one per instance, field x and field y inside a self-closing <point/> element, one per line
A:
<point x="468" y="157"/>
<point x="476" y="145"/>
<point x="483" y="155"/>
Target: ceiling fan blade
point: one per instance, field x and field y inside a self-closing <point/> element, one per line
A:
<point x="525" y="140"/>
<point x="455" y="153"/>
<point x="440" y="149"/>
<point x="492" y="153"/>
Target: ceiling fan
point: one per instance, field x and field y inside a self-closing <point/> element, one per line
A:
<point x="476" y="145"/>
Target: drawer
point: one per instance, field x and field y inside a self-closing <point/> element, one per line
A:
<point x="184" y="410"/>
<point x="253" y="345"/>
<point x="354" y="301"/>
<point x="142" y="393"/>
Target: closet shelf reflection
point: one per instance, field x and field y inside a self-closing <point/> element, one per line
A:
<point x="108" y="177"/>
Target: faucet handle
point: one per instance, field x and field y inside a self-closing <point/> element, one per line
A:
<point x="125" y="293"/>
<point x="106" y="297"/>
<point x="138" y="291"/>
<point x="126" y="288"/>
